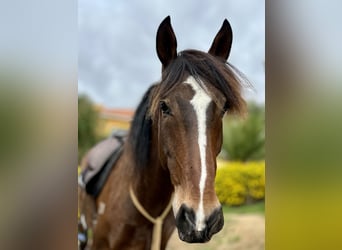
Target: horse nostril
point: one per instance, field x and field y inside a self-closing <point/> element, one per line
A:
<point x="215" y="221"/>
<point x="185" y="219"/>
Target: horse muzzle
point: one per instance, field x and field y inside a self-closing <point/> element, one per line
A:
<point x="186" y="225"/>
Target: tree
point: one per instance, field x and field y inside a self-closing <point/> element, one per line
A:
<point x="87" y="123"/>
<point x="244" y="138"/>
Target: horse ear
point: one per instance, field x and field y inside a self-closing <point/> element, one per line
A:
<point x="223" y="41"/>
<point x="166" y="42"/>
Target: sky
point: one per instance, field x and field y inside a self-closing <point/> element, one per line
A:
<point x="117" y="59"/>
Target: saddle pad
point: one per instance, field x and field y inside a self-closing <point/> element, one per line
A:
<point x="99" y="162"/>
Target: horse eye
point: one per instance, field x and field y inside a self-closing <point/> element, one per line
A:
<point x="164" y="108"/>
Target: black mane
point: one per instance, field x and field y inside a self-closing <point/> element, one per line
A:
<point x="140" y="132"/>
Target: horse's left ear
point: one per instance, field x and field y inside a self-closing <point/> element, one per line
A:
<point x="222" y="42"/>
<point x="166" y="42"/>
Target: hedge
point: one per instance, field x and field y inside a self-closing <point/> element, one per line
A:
<point x="238" y="183"/>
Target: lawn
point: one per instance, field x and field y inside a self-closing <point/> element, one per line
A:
<point x="258" y="207"/>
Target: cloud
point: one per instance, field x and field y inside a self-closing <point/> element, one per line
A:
<point x="117" y="58"/>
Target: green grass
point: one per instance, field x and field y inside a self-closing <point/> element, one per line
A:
<point x="258" y="207"/>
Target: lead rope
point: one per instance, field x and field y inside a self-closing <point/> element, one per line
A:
<point x="157" y="222"/>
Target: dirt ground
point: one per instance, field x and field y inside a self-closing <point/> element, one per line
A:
<point x="240" y="232"/>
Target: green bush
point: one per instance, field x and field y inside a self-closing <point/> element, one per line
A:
<point x="87" y="122"/>
<point x="237" y="182"/>
<point x="244" y="138"/>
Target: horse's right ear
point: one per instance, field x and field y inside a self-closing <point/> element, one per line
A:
<point x="166" y="42"/>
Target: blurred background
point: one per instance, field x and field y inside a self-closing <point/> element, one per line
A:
<point x="118" y="62"/>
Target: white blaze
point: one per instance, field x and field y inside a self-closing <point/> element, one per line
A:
<point x="200" y="103"/>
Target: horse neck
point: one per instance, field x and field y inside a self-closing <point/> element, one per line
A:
<point x="152" y="184"/>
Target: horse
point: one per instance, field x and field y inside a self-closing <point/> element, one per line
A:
<point x="170" y="153"/>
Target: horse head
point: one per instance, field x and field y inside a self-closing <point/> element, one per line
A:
<point x="196" y="90"/>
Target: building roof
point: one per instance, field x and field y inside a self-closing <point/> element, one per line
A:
<point x="120" y="114"/>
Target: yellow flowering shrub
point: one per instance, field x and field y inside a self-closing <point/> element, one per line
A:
<point x="237" y="181"/>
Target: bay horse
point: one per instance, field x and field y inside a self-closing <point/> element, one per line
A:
<point x="171" y="149"/>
